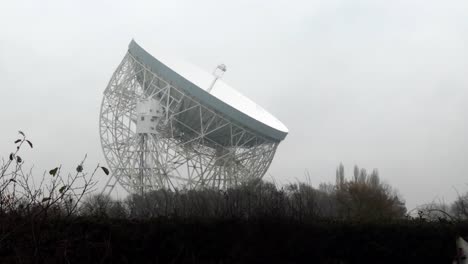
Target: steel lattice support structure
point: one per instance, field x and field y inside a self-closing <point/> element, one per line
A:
<point x="191" y="146"/>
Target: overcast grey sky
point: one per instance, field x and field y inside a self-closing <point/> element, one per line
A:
<point x="377" y="83"/>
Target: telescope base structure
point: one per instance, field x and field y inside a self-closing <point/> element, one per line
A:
<point x="184" y="145"/>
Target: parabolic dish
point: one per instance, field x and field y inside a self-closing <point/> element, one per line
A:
<point x="222" y="97"/>
<point x="164" y="125"/>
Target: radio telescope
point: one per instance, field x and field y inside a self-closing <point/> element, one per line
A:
<point x="167" y="124"/>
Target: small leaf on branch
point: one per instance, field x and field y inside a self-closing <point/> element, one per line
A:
<point x="53" y="171"/>
<point x="12" y="156"/>
<point x="19" y="159"/>
<point x="30" y="144"/>
<point x="62" y="189"/>
<point x="45" y="199"/>
<point x="13" y="180"/>
<point x="21" y="133"/>
<point x="17" y="141"/>
<point x="106" y="171"/>
<point x="79" y="168"/>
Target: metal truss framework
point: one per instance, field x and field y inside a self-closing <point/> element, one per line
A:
<point x="193" y="146"/>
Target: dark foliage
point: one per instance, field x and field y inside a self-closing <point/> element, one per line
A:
<point x="269" y="240"/>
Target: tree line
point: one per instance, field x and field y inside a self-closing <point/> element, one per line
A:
<point x="363" y="196"/>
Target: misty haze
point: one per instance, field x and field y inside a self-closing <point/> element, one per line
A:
<point x="159" y="123"/>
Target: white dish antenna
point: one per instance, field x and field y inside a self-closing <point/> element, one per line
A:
<point x="167" y="124"/>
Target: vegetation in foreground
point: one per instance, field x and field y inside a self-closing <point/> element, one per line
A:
<point x="358" y="220"/>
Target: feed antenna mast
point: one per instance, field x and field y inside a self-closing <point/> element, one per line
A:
<point x="217" y="73"/>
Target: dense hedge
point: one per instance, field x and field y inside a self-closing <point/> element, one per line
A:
<point x="163" y="240"/>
